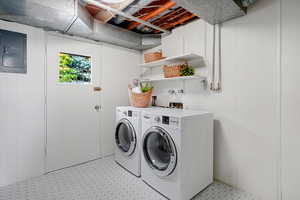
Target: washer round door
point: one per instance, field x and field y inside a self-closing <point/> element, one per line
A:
<point x="125" y="137"/>
<point x="159" y="151"/>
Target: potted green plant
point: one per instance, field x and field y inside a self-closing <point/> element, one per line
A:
<point x="146" y="86"/>
<point x="187" y="70"/>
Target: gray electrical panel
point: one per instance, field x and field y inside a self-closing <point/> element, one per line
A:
<point x="13" y="52"/>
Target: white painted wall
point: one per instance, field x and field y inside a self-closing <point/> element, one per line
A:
<point x="247" y="123"/>
<point x="22" y="125"/>
<point x="290" y="100"/>
<point x="22" y="104"/>
<point x="119" y="67"/>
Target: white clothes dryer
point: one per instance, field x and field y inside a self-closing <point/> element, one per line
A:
<point x="177" y="151"/>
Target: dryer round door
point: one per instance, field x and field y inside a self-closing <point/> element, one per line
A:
<point x="125" y="137"/>
<point x="159" y="151"/>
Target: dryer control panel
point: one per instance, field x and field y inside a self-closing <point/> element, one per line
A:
<point x="166" y="120"/>
<point x="172" y="121"/>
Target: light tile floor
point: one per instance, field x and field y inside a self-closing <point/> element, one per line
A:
<point x="102" y="179"/>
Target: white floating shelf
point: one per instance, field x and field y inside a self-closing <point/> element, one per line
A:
<point x="155" y="79"/>
<point x="170" y="60"/>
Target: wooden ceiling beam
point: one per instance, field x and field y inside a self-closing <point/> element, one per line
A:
<point x="167" y="16"/>
<point x="174" y="18"/>
<point x="93" y="10"/>
<point x="179" y="21"/>
<point x="152" y="14"/>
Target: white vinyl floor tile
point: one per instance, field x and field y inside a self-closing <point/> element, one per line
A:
<point x="102" y="179"/>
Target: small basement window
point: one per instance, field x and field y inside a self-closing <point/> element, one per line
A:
<point x="13" y="51"/>
<point x="74" y="68"/>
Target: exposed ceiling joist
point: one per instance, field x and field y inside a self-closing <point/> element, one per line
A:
<point x="168" y="15"/>
<point x="181" y="20"/>
<point x="172" y="18"/>
<point x="152" y="14"/>
<point x="123" y="14"/>
<point x="158" y="15"/>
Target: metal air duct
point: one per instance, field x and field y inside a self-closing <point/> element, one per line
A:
<point x="51" y="15"/>
<point x="216" y="11"/>
<point x="69" y="17"/>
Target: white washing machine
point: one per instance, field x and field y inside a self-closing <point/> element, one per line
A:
<point x="128" y="138"/>
<point x="177" y="151"/>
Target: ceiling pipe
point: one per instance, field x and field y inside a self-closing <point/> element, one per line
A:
<point x="144" y="29"/>
<point x="132" y="8"/>
<point x="121" y="13"/>
<point x="152" y="14"/>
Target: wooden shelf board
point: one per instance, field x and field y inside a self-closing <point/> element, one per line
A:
<point x="174" y="78"/>
<point x="186" y="57"/>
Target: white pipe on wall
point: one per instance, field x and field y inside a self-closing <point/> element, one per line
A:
<point x="216" y="86"/>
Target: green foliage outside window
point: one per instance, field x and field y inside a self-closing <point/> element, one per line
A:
<point x="74" y="68"/>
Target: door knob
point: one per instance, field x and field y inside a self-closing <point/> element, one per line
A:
<point x="97" y="107"/>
